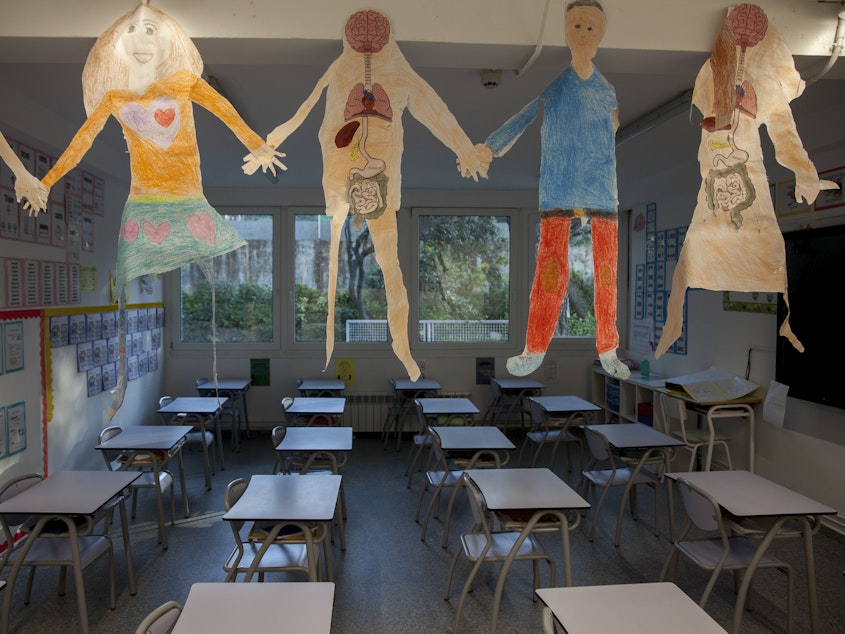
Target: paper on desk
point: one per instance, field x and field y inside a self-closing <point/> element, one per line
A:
<point x="711" y="386"/>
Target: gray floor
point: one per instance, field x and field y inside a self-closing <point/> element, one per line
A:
<point x="388" y="580"/>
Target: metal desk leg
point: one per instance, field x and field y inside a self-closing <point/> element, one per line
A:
<point x="181" y="463"/>
<point x="127" y="549"/>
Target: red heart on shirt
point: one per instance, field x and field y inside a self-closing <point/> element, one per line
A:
<point x="201" y="226"/>
<point x="156" y="234"/>
<point x="165" y="116"/>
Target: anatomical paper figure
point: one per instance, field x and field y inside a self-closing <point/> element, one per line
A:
<point x="577" y="180"/>
<point x="27" y="187"/>
<point x="733" y="242"/>
<point x="146" y="72"/>
<point x="368" y="87"/>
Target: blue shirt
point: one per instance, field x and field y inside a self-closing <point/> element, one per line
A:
<point x="578" y="162"/>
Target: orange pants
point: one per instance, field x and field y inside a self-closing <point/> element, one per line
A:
<point x="551" y="280"/>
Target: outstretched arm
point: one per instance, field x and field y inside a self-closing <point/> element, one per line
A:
<point x="789" y="151"/>
<point x="429" y="109"/>
<point x="27" y="187"/>
<point x="265" y="157"/>
<point x="284" y="130"/>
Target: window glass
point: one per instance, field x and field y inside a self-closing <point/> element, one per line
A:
<point x="243" y="284"/>
<point x="361" y="307"/>
<point x="464" y="277"/>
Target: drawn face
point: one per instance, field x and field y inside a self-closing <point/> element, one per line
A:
<point x="585" y="28"/>
<point x="145" y="40"/>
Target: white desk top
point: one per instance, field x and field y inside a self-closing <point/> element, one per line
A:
<point x="420" y="385"/>
<point x="316" y="439"/>
<point x="322" y="384"/>
<point x="634" y="436"/>
<point x="635" y="608"/>
<point x="152" y="437"/>
<point x="438" y="406"/>
<point x="459" y="437"/>
<point x="564" y="404"/>
<point x="288" y="608"/>
<point x="331" y="405"/>
<point x="226" y="384"/>
<point x="70" y="493"/>
<point x="745" y="494"/>
<point x="193" y="405"/>
<point x="287" y="497"/>
<point x="536" y="488"/>
<point x="511" y="383"/>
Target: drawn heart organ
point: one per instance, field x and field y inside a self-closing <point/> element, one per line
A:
<point x="368" y="103"/>
<point x="157" y="122"/>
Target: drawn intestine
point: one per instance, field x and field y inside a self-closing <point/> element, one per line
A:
<point x="367" y="32"/>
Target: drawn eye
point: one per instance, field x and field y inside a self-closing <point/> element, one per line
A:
<point x="131" y="28"/>
<point x="577" y="27"/>
<point x="149" y="29"/>
<point x="589" y="28"/>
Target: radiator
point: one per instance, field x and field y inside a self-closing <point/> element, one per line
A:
<point x="365" y="411"/>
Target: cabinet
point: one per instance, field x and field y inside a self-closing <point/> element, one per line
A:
<point x="625" y="400"/>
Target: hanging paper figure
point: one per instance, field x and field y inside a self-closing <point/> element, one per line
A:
<point x="733" y="242"/>
<point x="368" y="87"/>
<point x="28" y="188"/>
<point x="145" y="71"/>
<point x="577" y="180"/>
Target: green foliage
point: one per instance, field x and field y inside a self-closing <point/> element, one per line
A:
<point x="244" y="312"/>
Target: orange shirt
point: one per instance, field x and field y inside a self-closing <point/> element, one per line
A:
<point x="160" y="134"/>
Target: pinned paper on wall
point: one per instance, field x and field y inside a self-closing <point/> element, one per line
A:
<point x="368" y="87"/>
<point x="774" y="406"/>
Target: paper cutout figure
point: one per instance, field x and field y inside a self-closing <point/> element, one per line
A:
<point x="577" y="180"/>
<point x="733" y="242"/>
<point x="28" y="188"/>
<point x="368" y="87"/>
<point x="146" y="72"/>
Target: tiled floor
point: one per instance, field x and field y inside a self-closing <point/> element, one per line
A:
<point x="390" y="581"/>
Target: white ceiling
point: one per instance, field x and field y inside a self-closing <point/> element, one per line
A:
<point x="267" y="79"/>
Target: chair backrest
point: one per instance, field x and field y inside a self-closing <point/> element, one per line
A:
<point x="11" y="489"/>
<point x="161" y="620"/>
<point x="673" y="416"/>
<point x="278" y="434"/>
<point x="538" y="414"/>
<point x="110" y="456"/>
<point x="701" y="507"/>
<point x="200" y="381"/>
<point x="162" y="402"/>
<point x="478" y="506"/>
<point x="291" y="419"/>
<point x="599" y="447"/>
<point x="421" y="419"/>
<point x="234" y="490"/>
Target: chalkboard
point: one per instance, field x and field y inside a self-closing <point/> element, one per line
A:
<point x="815" y="262"/>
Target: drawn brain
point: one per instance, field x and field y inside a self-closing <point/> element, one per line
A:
<point x="748" y="24"/>
<point x="367" y="31"/>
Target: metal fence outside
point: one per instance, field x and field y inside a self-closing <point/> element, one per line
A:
<point x="432" y="330"/>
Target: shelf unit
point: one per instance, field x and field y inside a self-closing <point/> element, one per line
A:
<point x="625" y="400"/>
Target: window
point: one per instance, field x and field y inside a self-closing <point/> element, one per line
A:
<point x="464" y="277"/>
<point x="243" y="285"/>
<point x="360" y="304"/>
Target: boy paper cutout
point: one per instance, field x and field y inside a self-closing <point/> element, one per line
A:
<point x="734" y="241"/>
<point x="577" y="180"/>
<point x="27" y="187"/>
<point x="146" y="72"/>
<point x="368" y="87"/>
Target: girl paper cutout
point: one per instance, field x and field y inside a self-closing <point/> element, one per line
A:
<point x="734" y="242"/>
<point x="368" y="87"/>
<point x="146" y="72"/>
